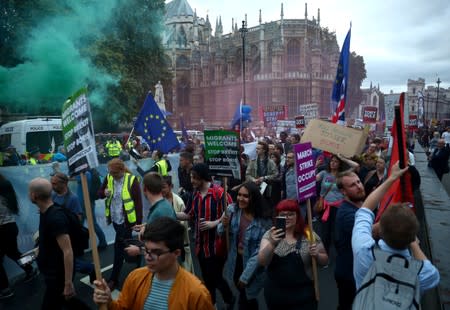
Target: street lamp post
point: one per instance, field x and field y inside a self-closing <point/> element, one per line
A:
<point x="437" y="97"/>
<point x="243" y="32"/>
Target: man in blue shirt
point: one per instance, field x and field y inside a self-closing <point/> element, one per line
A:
<point x="398" y="227"/>
<point x="159" y="206"/>
<point x="354" y="195"/>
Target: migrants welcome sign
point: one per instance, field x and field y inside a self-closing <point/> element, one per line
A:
<point x="222" y="153"/>
<point x="305" y="171"/>
<point x="78" y="131"/>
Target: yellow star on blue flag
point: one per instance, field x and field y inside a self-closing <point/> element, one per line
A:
<point x="154" y="128"/>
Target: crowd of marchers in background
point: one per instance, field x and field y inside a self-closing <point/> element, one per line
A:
<point x="226" y="225"/>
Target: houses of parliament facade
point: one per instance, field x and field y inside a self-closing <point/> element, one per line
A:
<point x="289" y="62"/>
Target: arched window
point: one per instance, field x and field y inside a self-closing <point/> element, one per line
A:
<point x="269" y="57"/>
<point x="256" y="59"/>
<point x="374" y="101"/>
<point x="183" y="92"/>
<point x="182" y="62"/>
<point x="293" y="53"/>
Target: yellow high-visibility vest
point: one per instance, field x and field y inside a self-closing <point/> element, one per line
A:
<point x="113" y="148"/>
<point x="128" y="203"/>
<point x="162" y="167"/>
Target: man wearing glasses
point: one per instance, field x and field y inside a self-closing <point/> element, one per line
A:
<point x="163" y="283"/>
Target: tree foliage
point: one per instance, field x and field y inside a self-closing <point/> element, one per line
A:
<point x="357" y="74"/>
<point x="128" y="48"/>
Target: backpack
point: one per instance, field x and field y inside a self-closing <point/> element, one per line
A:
<point x="392" y="282"/>
<point x="79" y="235"/>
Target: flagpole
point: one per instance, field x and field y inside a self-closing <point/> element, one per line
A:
<point x="129" y="136"/>
<point x="240" y="116"/>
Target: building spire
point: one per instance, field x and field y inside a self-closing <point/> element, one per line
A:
<point x="282" y="11"/>
<point x="246" y="25"/>
<point x="306" y="11"/>
<point x="318" y="16"/>
<point x="260" y="18"/>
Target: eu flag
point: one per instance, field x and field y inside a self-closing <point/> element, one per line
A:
<point x="339" y="95"/>
<point x="154" y="128"/>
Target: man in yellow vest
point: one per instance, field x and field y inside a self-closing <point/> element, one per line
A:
<point x="161" y="166"/>
<point x="35" y="154"/>
<point x="113" y="147"/>
<point x="123" y="208"/>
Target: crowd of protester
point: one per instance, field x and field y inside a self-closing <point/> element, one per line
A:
<point x="230" y="233"/>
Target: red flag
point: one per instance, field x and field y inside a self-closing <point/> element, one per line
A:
<point x="401" y="190"/>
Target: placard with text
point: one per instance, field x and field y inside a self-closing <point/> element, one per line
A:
<point x="222" y="153"/>
<point x="78" y="132"/>
<point x="305" y="171"/>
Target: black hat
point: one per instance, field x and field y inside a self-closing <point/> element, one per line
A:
<point x="202" y="171"/>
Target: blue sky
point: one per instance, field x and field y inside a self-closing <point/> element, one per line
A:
<point x="399" y="40"/>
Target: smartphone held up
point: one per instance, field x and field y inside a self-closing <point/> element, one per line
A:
<point x="280" y="223"/>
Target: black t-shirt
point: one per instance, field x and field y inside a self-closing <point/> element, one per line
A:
<point x="52" y="224"/>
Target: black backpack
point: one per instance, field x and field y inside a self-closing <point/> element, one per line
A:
<point x="79" y="235"/>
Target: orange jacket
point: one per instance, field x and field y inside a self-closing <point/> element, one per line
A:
<point x="187" y="292"/>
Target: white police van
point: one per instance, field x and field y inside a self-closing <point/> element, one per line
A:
<point x="25" y="135"/>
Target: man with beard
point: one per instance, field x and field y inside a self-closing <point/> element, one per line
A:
<point x="354" y="195"/>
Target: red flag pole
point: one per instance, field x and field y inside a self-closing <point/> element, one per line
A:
<point x="400" y="134"/>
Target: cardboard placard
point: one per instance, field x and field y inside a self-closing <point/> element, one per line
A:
<point x="334" y="138"/>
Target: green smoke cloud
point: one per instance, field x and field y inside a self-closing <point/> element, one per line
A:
<point x="57" y="59"/>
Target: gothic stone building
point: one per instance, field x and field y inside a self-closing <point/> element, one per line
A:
<point x="290" y="62"/>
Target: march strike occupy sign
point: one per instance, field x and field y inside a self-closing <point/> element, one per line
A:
<point x="305" y="171"/>
<point x="222" y="153"/>
<point x="78" y="131"/>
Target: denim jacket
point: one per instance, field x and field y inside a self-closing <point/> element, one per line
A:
<point x="253" y="274"/>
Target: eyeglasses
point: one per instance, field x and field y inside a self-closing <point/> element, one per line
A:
<point x="289" y="214"/>
<point x="155" y="254"/>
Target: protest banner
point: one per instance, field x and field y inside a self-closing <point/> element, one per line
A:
<point x="309" y="111"/>
<point x="272" y="113"/>
<point x="413" y="125"/>
<point x="370" y="115"/>
<point x="222" y="153"/>
<point x="78" y="132"/>
<point x="306" y="171"/>
<point x="334" y="138"/>
<point x="300" y="121"/>
<point x="79" y="140"/>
